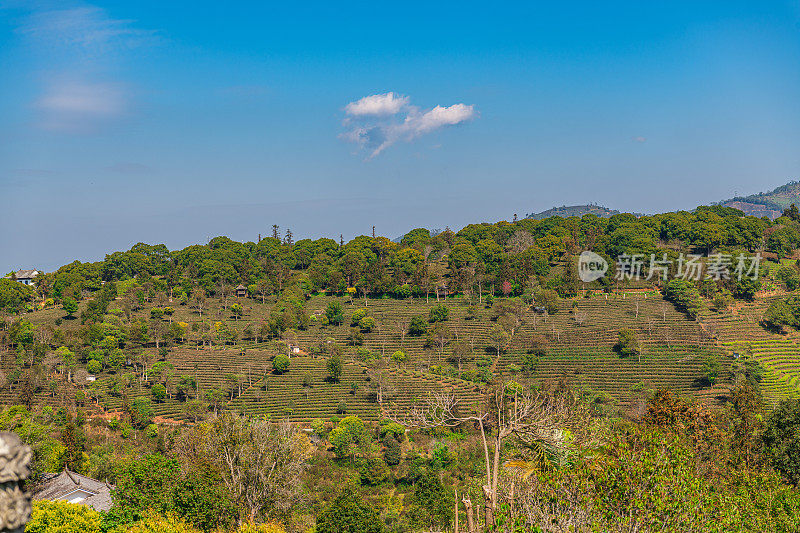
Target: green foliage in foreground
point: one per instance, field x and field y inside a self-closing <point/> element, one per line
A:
<point x="348" y="514"/>
<point x="781" y="439"/>
<point x="62" y="517"/>
<point x="13" y="294"/>
<point x="648" y="481"/>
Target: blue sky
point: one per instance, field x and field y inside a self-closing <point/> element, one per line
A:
<point x="123" y="122"/>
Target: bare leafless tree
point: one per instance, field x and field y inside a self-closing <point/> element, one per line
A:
<point x="261" y="463"/>
<point x="532" y="417"/>
<point x="402" y="328"/>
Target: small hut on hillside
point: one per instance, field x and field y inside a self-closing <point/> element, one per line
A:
<point x="74" y="488"/>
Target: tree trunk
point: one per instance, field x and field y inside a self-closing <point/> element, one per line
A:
<point x="455" y="514"/>
<point x="495" y="474"/>
<point x="470" y="519"/>
<point x="488" y="512"/>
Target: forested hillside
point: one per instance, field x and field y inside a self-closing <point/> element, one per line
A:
<point x="769" y="204"/>
<point x="176" y="352"/>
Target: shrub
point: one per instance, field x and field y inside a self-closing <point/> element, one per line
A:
<point x="431" y="502"/>
<point x="711" y="368"/>
<point x="158" y="391"/>
<point x="62" y="517"/>
<point x="789" y="276"/>
<point x="366" y="324"/>
<point x="722" y="300"/>
<point x="402" y="291"/>
<point x="280" y="364"/>
<point x="156" y="312"/>
<point x="472" y="313"/>
<point x="483" y="361"/>
<point x="780" y="313"/>
<point x="366" y="355"/>
<point x="393" y="453"/>
<point x="318" y="427"/>
<point x="746" y="288"/>
<point x="399" y="356"/>
<point x="70" y="306"/>
<point x="334" y="313"/>
<point x="94" y="367"/>
<point x="417" y="326"/>
<point x="548" y="299"/>
<point x="781" y="439"/>
<point x="441" y="456"/>
<point x="141" y="413"/>
<point x="334" y="366"/>
<point x="341" y="441"/>
<point x="348" y="514"/>
<point x="249" y="527"/>
<point x="374" y="471"/>
<point x="355" y="337"/>
<point x="438" y="313"/>
<point x="393" y="429"/>
<point x="530" y="362"/>
<point x="354" y="426"/>
<point x="685" y="296"/>
<point x="358" y="314"/>
<point x="627" y="342"/>
<point x="341" y="408"/>
<point x="156" y="523"/>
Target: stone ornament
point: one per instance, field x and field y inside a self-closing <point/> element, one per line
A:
<point x="15" y="502"/>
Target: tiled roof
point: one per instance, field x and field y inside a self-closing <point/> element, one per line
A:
<point x="59" y="486"/>
<point x="27" y="274"/>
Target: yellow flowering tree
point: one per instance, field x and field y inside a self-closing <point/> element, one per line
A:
<point x="156" y="523"/>
<point x="62" y="517"/>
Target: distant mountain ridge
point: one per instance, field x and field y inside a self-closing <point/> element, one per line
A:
<point x="767" y="204"/>
<point x="574" y="211"/>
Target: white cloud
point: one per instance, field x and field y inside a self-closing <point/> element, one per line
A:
<point x="80" y="107"/>
<point x="441" y="116"/>
<point x="376" y="122"/>
<point x="79" y="48"/>
<point x="88" y="28"/>
<point x="377" y="104"/>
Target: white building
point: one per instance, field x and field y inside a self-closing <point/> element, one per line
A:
<point x="25" y="276"/>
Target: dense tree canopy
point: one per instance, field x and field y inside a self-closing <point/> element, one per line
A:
<point x="479" y="255"/>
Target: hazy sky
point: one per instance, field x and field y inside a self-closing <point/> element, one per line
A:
<point x="178" y="121"/>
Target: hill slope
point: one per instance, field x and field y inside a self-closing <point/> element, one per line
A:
<point x="574" y="211"/>
<point x="767" y="204"/>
